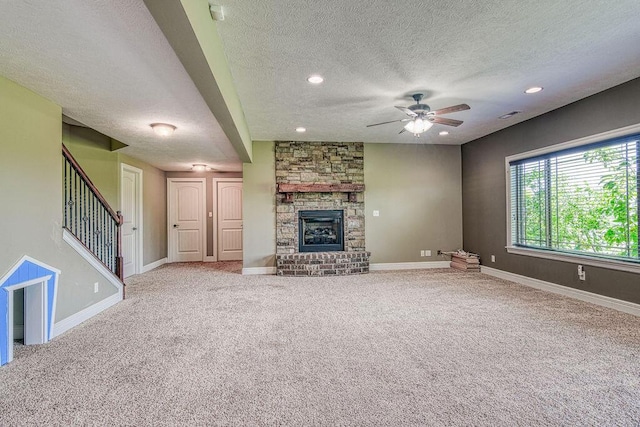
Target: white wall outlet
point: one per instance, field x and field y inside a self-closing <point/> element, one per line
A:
<point x="210" y="214"/>
<point x="582" y="275"/>
<point x="493" y="258"/>
<point x="427" y="253"/>
<point x="96" y="287"/>
<point x="376" y="213"/>
<point x="422" y="253"/>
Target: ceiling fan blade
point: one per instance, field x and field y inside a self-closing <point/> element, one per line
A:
<point x="452" y="109"/>
<point x="392" y="121"/>
<point x="445" y="121"/>
<point x="407" y="111"/>
<point x="402" y="131"/>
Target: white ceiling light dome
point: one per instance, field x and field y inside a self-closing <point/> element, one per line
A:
<point x="418" y="125"/>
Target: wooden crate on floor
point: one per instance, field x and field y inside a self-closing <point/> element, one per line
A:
<point x="465" y="262"/>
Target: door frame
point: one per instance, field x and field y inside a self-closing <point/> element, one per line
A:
<point x="139" y="220"/>
<point x="214" y="209"/>
<point x="170" y="240"/>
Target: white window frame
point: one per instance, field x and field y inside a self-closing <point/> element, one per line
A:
<point x="551" y="254"/>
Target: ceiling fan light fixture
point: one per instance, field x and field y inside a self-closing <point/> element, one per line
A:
<point x="163" y="129"/>
<point x="417" y="126"/>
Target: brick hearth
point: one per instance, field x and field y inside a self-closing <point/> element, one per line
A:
<point x="323" y="263"/>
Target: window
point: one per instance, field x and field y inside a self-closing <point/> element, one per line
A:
<point x="578" y="200"/>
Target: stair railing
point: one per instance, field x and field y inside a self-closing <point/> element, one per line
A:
<point x="88" y="216"/>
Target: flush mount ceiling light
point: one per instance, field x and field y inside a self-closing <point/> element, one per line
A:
<point x="199" y="167"/>
<point x="301" y="129"/>
<point x="443" y="133"/>
<point x="534" y="89"/>
<point x="163" y="129"/>
<point x="315" y="79"/>
<point x="417" y="126"/>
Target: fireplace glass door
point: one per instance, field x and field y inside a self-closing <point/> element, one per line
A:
<point x="320" y="231"/>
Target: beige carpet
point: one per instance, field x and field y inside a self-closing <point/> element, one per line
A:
<point x="193" y="345"/>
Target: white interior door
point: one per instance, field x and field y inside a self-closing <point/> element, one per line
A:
<point x="229" y="218"/>
<point x="186" y="219"/>
<point x="131" y="209"/>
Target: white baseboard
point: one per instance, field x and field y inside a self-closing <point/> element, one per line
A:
<point x="92" y="260"/>
<point x="75" y="319"/>
<point x="258" y="270"/>
<point x="408" y="265"/>
<point x="604" y="301"/>
<point x="153" y="265"/>
<point x="208" y="258"/>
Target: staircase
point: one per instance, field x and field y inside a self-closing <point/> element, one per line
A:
<point x="89" y="218"/>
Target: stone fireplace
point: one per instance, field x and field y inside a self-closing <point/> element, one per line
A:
<point x="326" y="178"/>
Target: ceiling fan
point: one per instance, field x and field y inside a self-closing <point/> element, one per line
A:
<point x="421" y="118"/>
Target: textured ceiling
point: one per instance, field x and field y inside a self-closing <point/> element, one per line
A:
<point x="373" y="54"/>
<point x="110" y="67"/>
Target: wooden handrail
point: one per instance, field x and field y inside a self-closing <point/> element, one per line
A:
<point x="90" y="219"/>
<point x="67" y="155"/>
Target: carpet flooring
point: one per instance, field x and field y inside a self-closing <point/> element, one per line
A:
<point x="200" y="344"/>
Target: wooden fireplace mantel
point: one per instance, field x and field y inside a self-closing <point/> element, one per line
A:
<point x="290" y="189"/>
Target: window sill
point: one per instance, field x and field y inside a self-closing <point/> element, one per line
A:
<point x="576" y="259"/>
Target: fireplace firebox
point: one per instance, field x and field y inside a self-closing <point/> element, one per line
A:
<point x="320" y="231"/>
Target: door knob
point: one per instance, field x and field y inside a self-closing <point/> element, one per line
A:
<point x="175" y="226"/>
<point x="134" y="228"/>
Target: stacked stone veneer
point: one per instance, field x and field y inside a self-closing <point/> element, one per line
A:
<point x="319" y="163"/>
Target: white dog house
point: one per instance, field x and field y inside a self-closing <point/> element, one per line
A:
<point x="40" y="284"/>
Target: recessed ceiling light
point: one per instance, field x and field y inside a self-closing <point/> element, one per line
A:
<point x="534" y="89"/>
<point x="163" y="129"/>
<point x="509" y="115"/>
<point x="315" y="79"/>
<point x="443" y="133"/>
<point x="301" y="129"/>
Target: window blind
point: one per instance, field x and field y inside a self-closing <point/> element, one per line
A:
<point x="582" y="200"/>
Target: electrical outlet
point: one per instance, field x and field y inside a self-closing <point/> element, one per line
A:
<point x="422" y="253"/>
<point x="96" y="287"/>
<point x="376" y="213"/>
<point x="493" y="258"/>
<point x="582" y="275"/>
<point x="427" y="253"/>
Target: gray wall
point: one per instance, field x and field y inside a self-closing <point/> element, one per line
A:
<point x="259" y="207"/>
<point x="484" y="188"/>
<point x="31" y="194"/>
<point x="417" y="189"/>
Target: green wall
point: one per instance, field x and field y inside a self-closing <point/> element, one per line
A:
<point x="31" y="194"/>
<point x="416" y="188"/>
<point x="92" y="151"/>
<point x="484" y="187"/>
<point x="259" y="207"/>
